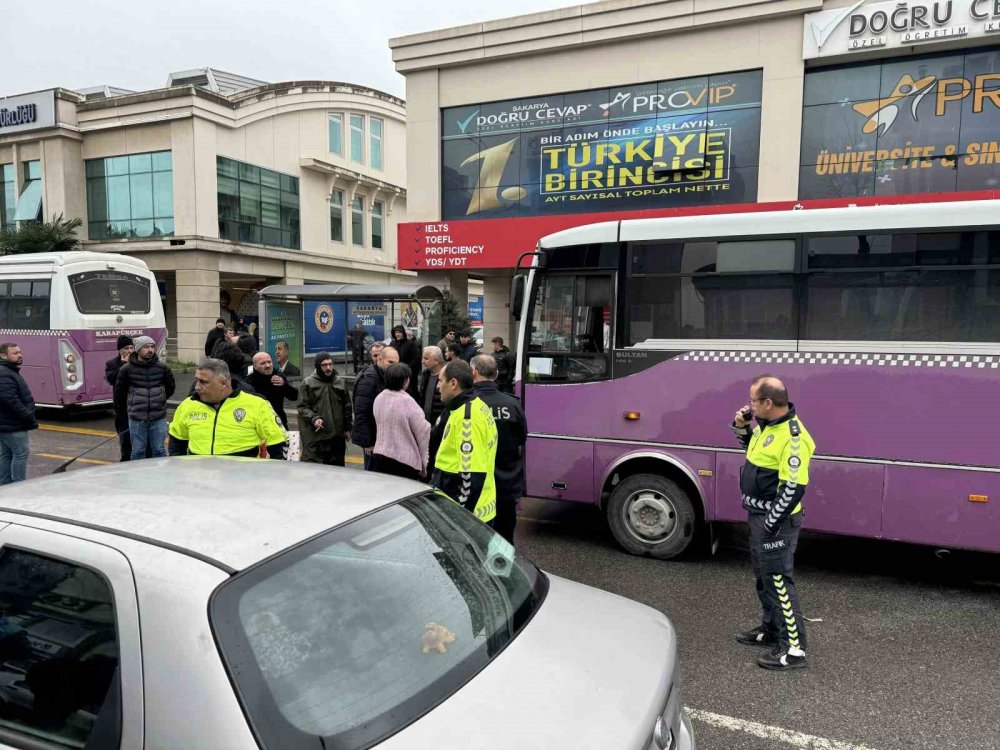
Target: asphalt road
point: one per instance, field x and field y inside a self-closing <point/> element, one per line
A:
<point x="904" y="653"/>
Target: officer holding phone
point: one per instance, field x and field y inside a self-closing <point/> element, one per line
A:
<point x="773" y="482"/>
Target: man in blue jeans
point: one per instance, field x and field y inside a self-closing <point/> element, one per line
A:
<point x="17" y="415"/>
<point x="143" y="387"/>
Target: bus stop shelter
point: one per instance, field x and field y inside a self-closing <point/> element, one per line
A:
<point x="311" y="318"/>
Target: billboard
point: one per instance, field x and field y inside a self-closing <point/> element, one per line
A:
<point x="693" y="141"/>
<point x="926" y="124"/>
<point x="284" y="323"/>
<point x="325" y="327"/>
<point x="475" y="313"/>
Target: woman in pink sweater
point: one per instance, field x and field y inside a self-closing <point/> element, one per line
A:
<point x="402" y="433"/>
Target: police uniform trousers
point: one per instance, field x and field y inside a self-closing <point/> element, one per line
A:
<point x="330" y="452"/>
<point x="772" y="558"/>
<point x="506" y="517"/>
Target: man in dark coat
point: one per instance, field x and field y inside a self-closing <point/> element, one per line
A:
<point x="357" y="336"/>
<point x="325" y="417"/>
<point x="17" y="416"/>
<point x="125" y="348"/>
<point x="409" y="354"/>
<point x="272" y="385"/>
<point x="512" y="434"/>
<point x="505" y="365"/>
<point x="214" y="336"/>
<point x="143" y="387"/>
<point x="469" y="348"/>
<point x="368" y="385"/>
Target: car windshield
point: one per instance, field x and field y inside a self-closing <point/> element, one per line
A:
<point x="355" y="634"/>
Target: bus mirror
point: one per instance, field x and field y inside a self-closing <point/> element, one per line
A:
<point x="517" y="295"/>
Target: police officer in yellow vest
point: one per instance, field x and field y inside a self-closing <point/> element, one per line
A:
<point x="222" y="420"/>
<point x="463" y="468"/>
<point x="773" y="480"/>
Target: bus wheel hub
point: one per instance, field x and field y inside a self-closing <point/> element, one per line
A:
<point x="651" y="516"/>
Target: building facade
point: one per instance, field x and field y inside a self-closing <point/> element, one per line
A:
<point x="220" y="183"/>
<point x="524" y="126"/>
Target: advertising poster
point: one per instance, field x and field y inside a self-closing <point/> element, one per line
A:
<point x="669" y="143"/>
<point x="284" y="337"/>
<point x="372" y="317"/>
<point x="917" y="125"/>
<point x="325" y="326"/>
<point x="476" y="310"/>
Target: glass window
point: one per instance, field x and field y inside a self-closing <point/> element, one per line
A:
<point x="33" y="170"/>
<point x="897" y="250"/>
<point x="713" y="257"/>
<point x="377" y="218"/>
<point x="910" y="305"/>
<point x="106" y="292"/>
<point x="355" y="634"/>
<point x="375" y="144"/>
<point x="358" y="221"/>
<point x="571" y="328"/>
<point x="60" y="667"/>
<point x="29" y="205"/>
<point x="358" y="139"/>
<point x="8" y="195"/>
<point x="337" y="216"/>
<point x="257" y="205"/>
<point x="130" y="196"/>
<point x="335" y="133"/>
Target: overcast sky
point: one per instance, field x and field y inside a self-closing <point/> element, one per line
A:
<point x="134" y="44"/>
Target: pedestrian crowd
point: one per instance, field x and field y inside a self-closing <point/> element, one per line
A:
<point x="443" y="414"/>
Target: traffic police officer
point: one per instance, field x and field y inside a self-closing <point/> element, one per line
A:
<point x="773" y="481"/>
<point x="222" y="420"/>
<point x="463" y="467"/>
<point x="512" y="434"/>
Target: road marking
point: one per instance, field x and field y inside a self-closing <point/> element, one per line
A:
<point x="529" y="519"/>
<point x="67" y="458"/>
<point x="76" y="430"/>
<point x="354" y="460"/>
<point x="775" y="734"/>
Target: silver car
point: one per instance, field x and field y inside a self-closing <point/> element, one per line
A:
<point x="234" y="603"/>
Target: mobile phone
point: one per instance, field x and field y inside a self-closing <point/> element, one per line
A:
<point x="745" y="414"/>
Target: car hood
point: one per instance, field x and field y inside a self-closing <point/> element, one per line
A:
<point x="590" y="670"/>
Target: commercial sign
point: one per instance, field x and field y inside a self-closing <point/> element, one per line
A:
<point x="864" y="26"/>
<point x="284" y="323"/>
<point x="693" y="141"/>
<point x="912" y="125"/>
<point x="27" y="112"/>
<point x="475" y="312"/>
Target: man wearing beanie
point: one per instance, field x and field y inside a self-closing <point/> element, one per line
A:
<point x="143" y="387"/>
<point x="111" y="367"/>
<point x="325" y="415"/>
<point x="215" y="336"/>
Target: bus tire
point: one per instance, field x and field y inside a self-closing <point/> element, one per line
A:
<point x="650" y="515"/>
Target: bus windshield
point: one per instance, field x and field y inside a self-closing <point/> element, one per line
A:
<point x="110" y="292"/>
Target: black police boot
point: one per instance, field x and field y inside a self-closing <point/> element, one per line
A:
<point x="757" y="636"/>
<point x="780" y="661"/>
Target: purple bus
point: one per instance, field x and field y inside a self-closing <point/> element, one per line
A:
<point x="639" y="339"/>
<point x="66" y="311"/>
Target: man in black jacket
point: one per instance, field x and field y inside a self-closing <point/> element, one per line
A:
<point x="214" y="336"/>
<point x="512" y="434"/>
<point x="111" y="368"/>
<point x="143" y="387"/>
<point x="368" y="385"/>
<point x="17" y="416"/>
<point x="272" y="385"/>
<point x="469" y="348"/>
<point x="409" y="354"/>
<point x="505" y="365"/>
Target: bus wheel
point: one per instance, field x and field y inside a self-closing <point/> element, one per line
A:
<point x="650" y="515"/>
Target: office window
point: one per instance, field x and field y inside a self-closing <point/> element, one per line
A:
<point x="358" y="221"/>
<point x="337" y="216"/>
<point x="8" y="195"/>
<point x="335" y="132"/>
<point x="375" y="145"/>
<point x="130" y="197"/>
<point x="257" y="205"/>
<point x="29" y="204"/>
<point x="358" y="139"/>
<point x="378" y="213"/>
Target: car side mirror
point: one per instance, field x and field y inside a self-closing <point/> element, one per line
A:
<point x="517" y="285"/>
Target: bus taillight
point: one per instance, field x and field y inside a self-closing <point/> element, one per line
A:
<point x="71" y="381"/>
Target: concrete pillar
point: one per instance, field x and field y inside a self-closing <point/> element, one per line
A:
<point x="496" y="306"/>
<point x="197" y="309"/>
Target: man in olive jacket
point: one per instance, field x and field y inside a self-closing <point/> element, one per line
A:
<point x="325" y="415"/>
